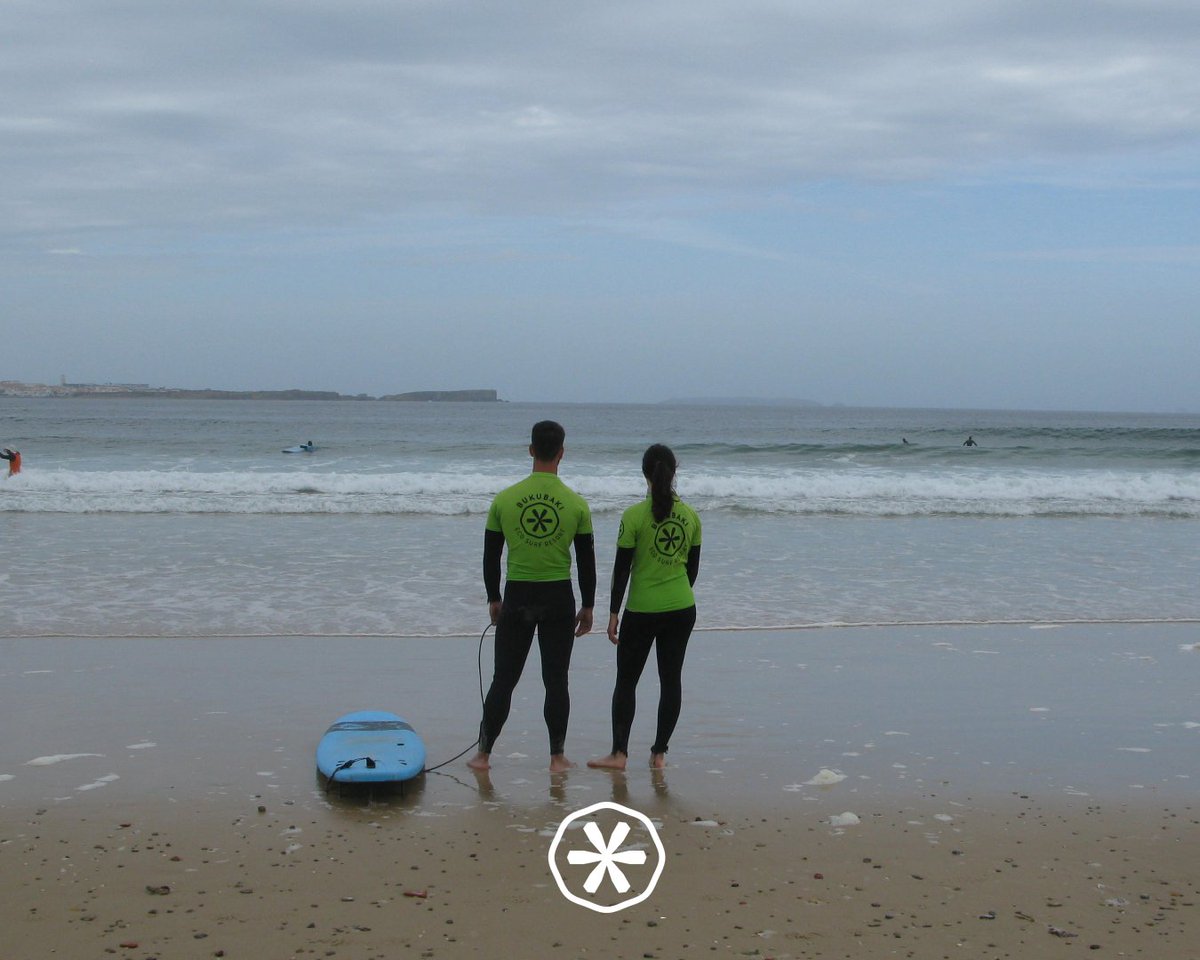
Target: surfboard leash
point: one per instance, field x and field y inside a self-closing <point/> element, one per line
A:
<point x="475" y="743"/>
<point x="347" y="764"/>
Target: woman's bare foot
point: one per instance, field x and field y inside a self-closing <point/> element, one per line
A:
<point x="559" y="763"/>
<point x="658" y="761"/>
<point x="614" y="761"/>
<point x="481" y="761"/>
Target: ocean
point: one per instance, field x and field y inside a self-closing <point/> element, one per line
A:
<point x="165" y="518"/>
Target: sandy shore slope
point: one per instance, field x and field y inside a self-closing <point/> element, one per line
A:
<point x="1011" y="791"/>
<point x="383" y="880"/>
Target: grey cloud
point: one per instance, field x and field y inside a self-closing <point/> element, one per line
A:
<point x="216" y="115"/>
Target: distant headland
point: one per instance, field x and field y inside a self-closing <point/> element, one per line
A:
<point x="15" y="388"/>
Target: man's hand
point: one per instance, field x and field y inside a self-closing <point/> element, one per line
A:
<point x="583" y="622"/>
<point x="494" y="608"/>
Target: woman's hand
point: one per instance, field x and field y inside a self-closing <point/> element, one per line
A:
<point x="613" y="623"/>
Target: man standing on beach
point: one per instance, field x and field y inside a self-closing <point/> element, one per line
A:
<point x="538" y="520"/>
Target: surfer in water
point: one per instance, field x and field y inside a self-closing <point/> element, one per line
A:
<point x="538" y="520"/>
<point x="970" y="442"/>
<point x="658" y="556"/>
<point x="14" y="460"/>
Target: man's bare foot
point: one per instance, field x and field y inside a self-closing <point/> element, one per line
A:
<point x="614" y="761"/>
<point x="481" y="761"/>
<point x="559" y="763"/>
<point x="658" y="761"/>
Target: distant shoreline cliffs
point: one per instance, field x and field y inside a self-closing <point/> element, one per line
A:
<point x="15" y="388"/>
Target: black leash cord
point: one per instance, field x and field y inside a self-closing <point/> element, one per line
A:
<point x="475" y="743"/>
<point x="345" y="765"/>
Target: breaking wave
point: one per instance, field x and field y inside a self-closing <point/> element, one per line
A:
<point x="851" y="491"/>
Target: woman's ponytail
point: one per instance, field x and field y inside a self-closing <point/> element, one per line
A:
<point x="658" y="467"/>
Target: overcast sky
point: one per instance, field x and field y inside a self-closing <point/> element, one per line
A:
<point x="953" y="203"/>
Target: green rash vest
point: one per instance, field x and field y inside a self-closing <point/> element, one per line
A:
<point x="658" y="581"/>
<point x="539" y="518"/>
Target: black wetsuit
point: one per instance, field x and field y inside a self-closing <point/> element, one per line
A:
<point x="547" y="608"/>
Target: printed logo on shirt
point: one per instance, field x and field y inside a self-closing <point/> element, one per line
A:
<point x="670" y="537"/>
<point x="539" y="519"/>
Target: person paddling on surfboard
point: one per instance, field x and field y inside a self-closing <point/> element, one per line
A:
<point x="538" y="520"/>
<point x="658" y="555"/>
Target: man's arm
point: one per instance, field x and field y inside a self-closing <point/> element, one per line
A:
<point x="585" y="561"/>
<point x="493" y="547"/>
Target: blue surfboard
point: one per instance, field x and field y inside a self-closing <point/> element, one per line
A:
<point x="370" y="746"/>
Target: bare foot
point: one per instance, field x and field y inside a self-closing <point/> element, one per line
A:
<point x="658" y="761"/>
<point x="481" y="761"/>
<point x="559" y="763"/>
<point x="614" y="761"/>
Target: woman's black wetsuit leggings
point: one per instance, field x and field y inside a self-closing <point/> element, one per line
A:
<point x="669" y="633"/>
<point x="548" y="609"/>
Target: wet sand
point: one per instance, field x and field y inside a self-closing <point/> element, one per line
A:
<point x="1026" y="879"/>
<point x="912" y="792"/>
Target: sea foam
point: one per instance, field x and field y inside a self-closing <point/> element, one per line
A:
<point x="802" y="491"/>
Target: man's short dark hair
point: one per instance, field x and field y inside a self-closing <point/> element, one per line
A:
<point x="547" y="439"/>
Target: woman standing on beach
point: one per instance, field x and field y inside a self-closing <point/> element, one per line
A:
<point x="658" y="556"/>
